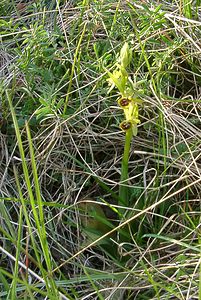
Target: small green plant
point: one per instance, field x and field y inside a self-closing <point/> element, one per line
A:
<point x="128" y="101"/>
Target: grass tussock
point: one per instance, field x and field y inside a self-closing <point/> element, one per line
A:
<point x="66" y="231"/>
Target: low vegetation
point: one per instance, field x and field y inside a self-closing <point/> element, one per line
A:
<point x="100" y="154"/>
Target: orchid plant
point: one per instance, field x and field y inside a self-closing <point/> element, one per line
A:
<point x="94" y="216"/>
<point x="127" y="101"/>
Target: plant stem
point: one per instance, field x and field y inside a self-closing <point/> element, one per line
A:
<point x="123" y="189"/>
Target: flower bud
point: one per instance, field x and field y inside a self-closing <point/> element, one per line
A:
<point x="125" y="55"/>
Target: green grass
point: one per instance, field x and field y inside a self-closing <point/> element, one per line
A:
<point x="66" y="232"/>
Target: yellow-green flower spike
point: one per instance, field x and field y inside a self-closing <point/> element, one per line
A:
<point x="128" y="102"/>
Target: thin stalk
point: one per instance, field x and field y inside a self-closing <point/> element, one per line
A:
<point x="73" y="68"/>
<point x="50" y="284"/>
<point x="123" y="189"/>
<point x="12" y="292"/>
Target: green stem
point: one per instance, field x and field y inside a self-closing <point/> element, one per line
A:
<point x="123" y="190"/>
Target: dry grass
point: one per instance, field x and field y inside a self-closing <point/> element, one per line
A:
<point x="78" y="153"/>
